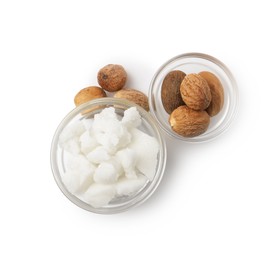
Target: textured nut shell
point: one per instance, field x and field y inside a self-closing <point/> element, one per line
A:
<point x="112" y="77"/>
<point x="195" y="92"/>
<point x="170" y="91"/>
<point x="188" y="122"/>
<point x="88" y="94"/>
<point x="217" y="92"/>
<point x="135" y="96"/>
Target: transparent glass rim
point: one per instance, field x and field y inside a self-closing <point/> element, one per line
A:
<point x="233" y="102"/>
<point x="135" y="201"/>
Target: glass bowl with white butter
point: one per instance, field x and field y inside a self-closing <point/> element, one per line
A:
<point x="108" y="155"/>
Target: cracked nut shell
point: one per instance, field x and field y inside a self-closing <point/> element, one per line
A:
<point x="195" y="92"/>
<point x="188" y="122"/>
<point x="217" y="92"/>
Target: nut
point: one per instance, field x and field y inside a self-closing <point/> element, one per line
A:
<point x="195" y="92"/>
<point x="88" y="94"/>
<point x="133" y="95"/>
<point x="170" y="92"/>
<point x="188" y="122"/>
<point x="112" y="77"/>
<point x="217" y="92"/>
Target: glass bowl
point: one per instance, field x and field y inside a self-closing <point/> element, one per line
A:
<point x="195" y="63"/>
<point x="88" y="110"/>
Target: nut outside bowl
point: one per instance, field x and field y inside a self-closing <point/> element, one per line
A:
<point x="195" y="63"/>
<point x="88" y="110"/>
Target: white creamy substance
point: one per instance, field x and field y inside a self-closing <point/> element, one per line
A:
<point x="106" y="158"/>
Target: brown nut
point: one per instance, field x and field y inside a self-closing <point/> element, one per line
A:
<point x="170" y="92"/>
<point x="188" y="122"/>
<point x="217" y="92"/>
<point x="88" y="94"/>
<point x="195" y="92"/>
<point x="112" y="77"/>
<point x="133" y="95"/>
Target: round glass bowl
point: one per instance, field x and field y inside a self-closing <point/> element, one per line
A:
<point x="195" y="63"/>
<point x="88" y="110"/>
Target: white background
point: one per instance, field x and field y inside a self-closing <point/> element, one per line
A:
<point x="218" y="200"/>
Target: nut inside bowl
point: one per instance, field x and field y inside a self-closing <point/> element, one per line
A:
<point x="195" y="63"/>
<point x="86" y="113"/>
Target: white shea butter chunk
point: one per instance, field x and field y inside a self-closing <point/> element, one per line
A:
<point x="76" y="183"/>
<point x="72" y="145"/>
<point x="87" y="123"/>
<point x="79" y="173"/>
<point x="104" y="121"/>
<point x="146" y="149"/>
<point x="106" y="173"/>
<point x="72" y="131"/>
<point x="99" y="195"/>
<point x="109" y="131"/>
<point x="129" y="186"/>
<point x="87" y="142"/>
<point x="131" y="118"/>
<point x="127" y="158"/>
<point x="98" y="155"/>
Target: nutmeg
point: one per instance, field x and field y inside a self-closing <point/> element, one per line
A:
<point x="188" y="122"/>
<point x="170" y="91"/>
<point x="217" y="92"/>
<point x="89" y="93"/>
<point x="112" y="77"/>
<point x="195" y="92"/>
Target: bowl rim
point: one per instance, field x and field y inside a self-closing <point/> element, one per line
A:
<point x="233" y="108"/>
<point x="138" y="199"/>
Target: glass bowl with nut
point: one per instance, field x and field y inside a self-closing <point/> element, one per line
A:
<point x="193" y="97"/>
